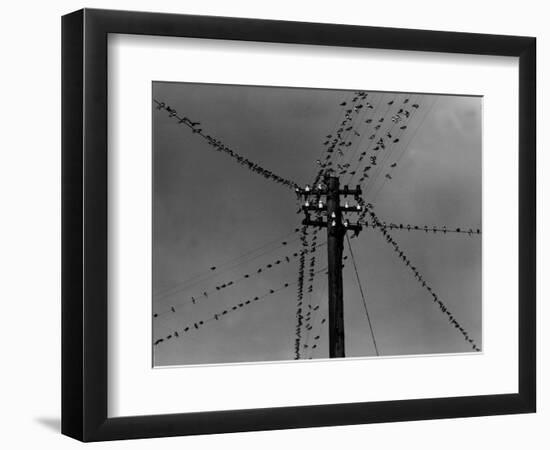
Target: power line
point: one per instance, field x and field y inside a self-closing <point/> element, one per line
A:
<point x="215" y="270"/>
<point x="406" y="147"/>
<point x="422" y="228"/>
<point x="300" y="292"/>
<point x="175" y="291"/>
<point x="311" y="276"/>
<point x="342" y="134"/>
<point x="343" y="168"/>
<point x="370" y="123"/>
<point x="374" y="144"/>
<point x="376" y="131"/>
<point x="442" y="306"/>
<point x="333" y="129"/>
<point x="385" y="146"/>
<point x="363" y="297"/>
<point x="404" y="117"/>
<point x="219" y="146"/>
<point x="221" y="314"/>
<point x="174" y="308"/>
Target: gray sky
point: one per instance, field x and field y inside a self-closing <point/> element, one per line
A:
<point x="209" y="210"/>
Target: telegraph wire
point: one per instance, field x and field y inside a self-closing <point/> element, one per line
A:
<point x="215" y="269"/>
<point x="378" y="128"/>
<point x="422" y="228"/>
<point x="180" y="332"/>
<point x="404" y="149"/>
<point x="175" y="308"/>
<point x="300" y="293"/>
<point x="219" y="146"/>
<point x="363" y="297"/>
<point x="176" y="290"/>
<point x="394" y="143"/>
<point x="339" y="141"/>
<point x="442" y="306"/>
<point x="385" y="147"/>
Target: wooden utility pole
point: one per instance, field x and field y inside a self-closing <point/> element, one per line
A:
<point x="336" y="230"/>
<point x="335" y="246"/>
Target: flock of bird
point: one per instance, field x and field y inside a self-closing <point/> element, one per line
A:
<point x="300" y="291"/>
<point x="219" y="146"/>
<point x="425" y="228"/>
<point x="194" y="299"/>
<point x="219" y="315"/>
<point x="444" y="309"/>
<point x="341" y="142"/>
<point x="303" y="321"/>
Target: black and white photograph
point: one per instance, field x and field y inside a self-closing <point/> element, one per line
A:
<point x="306" y="224"/>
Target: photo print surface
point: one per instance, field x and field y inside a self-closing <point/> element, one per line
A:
<point x="301" y="224"/>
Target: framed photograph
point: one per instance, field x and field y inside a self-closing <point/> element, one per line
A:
<point x="273" y="225"/>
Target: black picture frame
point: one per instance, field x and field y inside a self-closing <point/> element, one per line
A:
<point x="84" y="224"/>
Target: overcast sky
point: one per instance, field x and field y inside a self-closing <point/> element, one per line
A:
<point x="209" y="210"/>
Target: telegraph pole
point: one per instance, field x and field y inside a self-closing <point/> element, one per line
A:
<point x="336" y="229"/>
<point x="335" y="246"/>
